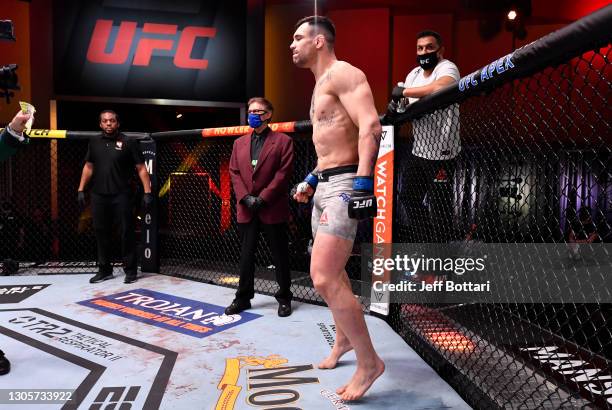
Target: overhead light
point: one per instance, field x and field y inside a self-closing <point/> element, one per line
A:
<point x="179" y="115"/>
<point x="512" y="15"/>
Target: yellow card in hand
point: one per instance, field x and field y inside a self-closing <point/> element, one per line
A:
<point x="28" y="108"/>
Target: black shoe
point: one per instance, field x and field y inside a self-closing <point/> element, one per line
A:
<point x="5" y="365"/>
<point x="131" y="278"/>
<point x="101" y="277"/>
<point x="284" y="309"/>
<point x="237" y="307"/>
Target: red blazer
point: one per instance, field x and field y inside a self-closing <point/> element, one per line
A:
<point x="269" y="180"/>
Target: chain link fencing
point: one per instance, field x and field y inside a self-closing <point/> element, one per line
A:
<point x="534" y="171"/>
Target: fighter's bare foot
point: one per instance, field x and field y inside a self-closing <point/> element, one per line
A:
<point x="361" y="381"/>
<point x="337" y="352"/>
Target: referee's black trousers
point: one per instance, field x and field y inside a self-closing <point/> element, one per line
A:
<point x="276" y="235"/>
<point x="107" y="209"/>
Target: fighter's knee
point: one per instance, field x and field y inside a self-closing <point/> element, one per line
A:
<point x="323" y="285"/>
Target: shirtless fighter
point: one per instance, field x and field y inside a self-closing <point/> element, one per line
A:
<point x="346" y="135"/>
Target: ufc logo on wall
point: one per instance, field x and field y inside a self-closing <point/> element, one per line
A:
<point x="124" y="39"/>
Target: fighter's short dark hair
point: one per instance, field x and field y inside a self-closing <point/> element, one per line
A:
<point x="434" y="34"/>
<point x="322" y="23"/>
<point x="108" y="112"/>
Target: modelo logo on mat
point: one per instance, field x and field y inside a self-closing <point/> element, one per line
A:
<point x="270" y="381"/>
<point x="18" y="293"/>
<point x="170" y="312"/>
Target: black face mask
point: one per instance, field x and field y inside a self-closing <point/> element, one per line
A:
<point x="428" y="61"/>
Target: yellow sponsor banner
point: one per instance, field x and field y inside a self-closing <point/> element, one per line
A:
<point x="46" y="133"/>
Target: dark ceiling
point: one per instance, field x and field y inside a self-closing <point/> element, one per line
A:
<point x="462" y="9"/>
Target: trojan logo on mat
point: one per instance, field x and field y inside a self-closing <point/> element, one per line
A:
<point x="170" y="312"/>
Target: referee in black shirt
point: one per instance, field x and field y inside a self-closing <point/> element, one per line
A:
<point x="109" y="164"/>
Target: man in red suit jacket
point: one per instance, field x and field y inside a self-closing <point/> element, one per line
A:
<point x="260" y="167"/>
